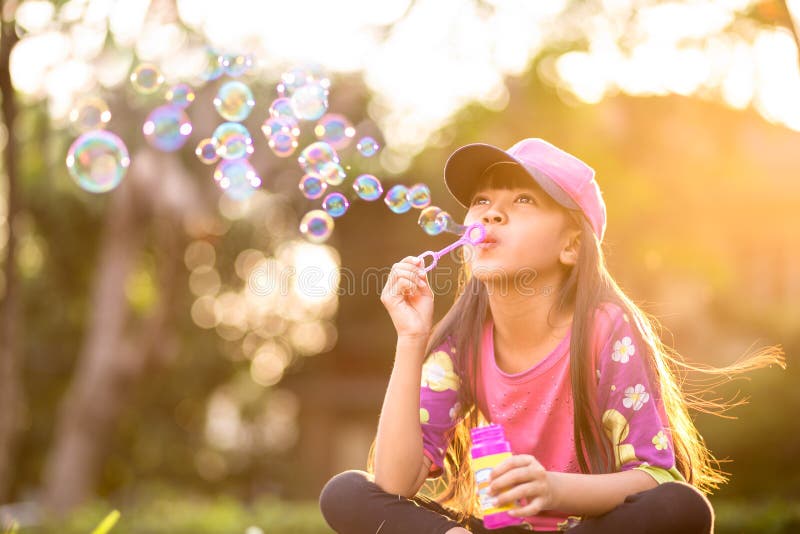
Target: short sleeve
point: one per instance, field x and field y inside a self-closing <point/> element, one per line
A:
<point x="440" y="409"/>
<point x="632" y="411"/>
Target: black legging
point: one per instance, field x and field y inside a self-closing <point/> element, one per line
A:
<point x="352" y="504"/>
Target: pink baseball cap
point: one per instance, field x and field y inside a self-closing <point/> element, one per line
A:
<point x="567" y="179"/>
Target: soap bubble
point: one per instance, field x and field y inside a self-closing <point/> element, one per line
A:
<point x="310" y="101"/>
<point x="300" y="76"/>
<point x="429" y="221"/>
<point x="167" y="128"/>
<point x="315" y="155"/>
<point x="419" y="195"/>
<point x="367" y="147"/>
<point x="234" y="101"/>
<point x="282" y="144"/>
<point x="335" y="204"/>
<point x="273" y="125"/>
<point x="312" y="186"/>
<point x="281" y="107"/>
<point x="90" y="113"/>
<point x="146" y="78"/>
<point x="448" y="224"/>
<point x="368" y="187"/>
<point x="335" y="129"/>
<point x="235" y="65"/>
<point x="316" y="225"/>
<point x="333" y="173"/>
<point x="237" y="178"/>
<point x="207" y="151"/>
<point x="234" y="140"/>
<point x="180" y="95"/>
<point x="213" y="68"/>
<point x="396" y="199"/>
<point x="97" y="161"/>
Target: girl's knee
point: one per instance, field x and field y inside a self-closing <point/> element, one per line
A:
<point x="343" y="494"/>
<point x="695" y="507"/>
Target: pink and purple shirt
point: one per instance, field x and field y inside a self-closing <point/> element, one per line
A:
<point x="535" y="406"/>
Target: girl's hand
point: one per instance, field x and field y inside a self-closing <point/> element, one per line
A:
<point x="522" y="478"/>
<point x="408" y="298"/>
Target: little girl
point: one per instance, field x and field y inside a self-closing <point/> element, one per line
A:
<point x="542" y="341"/>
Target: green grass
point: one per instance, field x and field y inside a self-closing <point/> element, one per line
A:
<point x="173" y="513"/>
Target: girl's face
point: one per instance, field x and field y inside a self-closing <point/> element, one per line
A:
<point x="527" y="233"/>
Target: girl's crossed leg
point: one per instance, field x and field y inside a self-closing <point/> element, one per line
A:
<point x="353" y="504"/>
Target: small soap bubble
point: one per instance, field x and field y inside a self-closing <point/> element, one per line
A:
<point x="146" y="78"/>
<point x="300" y="76"/>
<point x="316" y="155"/>
<point x="335" y="129"/>
<point x="309" y="102"/>
<point x="396" y="199"/>
<point x="282" y="144"/>
<point x="316" y="225"/>
<point x="207" y="151"/>
<point x="332" y="173"/>
<point x="368" y="187"/>
<point x="235" y="65"/>
<point x="167" y="128"/>
<point x="367" y="147"/>
<point x="213" y="68"/>
<point x="234" y="140"/>
<point x="273" y="125"/>
<point x="312" y="186"/>
<point x="281" y="107"/>
<point x="429" y="221"/>
<point x="90" y="113"/>
<point x="237" y="178"/>
<point x="180" y="95"/>
<point x="234" y="101"/>
<point x="419" y="195"/>
<point x="98" y="161"/>
<point x="335" y="204"/>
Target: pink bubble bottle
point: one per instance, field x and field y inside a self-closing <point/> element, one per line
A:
<point x="490" y="448"/>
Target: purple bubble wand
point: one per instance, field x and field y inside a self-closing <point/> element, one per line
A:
<point x="466" y="239"/>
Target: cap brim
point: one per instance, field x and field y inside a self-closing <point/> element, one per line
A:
<point x="467" y="164"/>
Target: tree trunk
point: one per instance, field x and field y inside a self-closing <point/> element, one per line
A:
<point x="11" y="394"/>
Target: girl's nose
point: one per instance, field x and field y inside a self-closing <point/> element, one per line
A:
<point x="492" y="216"/>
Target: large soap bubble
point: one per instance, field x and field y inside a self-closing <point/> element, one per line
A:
<point x="98" y="161"/>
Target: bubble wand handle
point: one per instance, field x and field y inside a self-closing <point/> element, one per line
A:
<point x="466" y="239"/>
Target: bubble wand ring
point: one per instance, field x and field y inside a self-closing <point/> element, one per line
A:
<point x="465" y="239"/>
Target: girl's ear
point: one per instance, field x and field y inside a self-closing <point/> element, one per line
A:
<point x="569" y="254"/>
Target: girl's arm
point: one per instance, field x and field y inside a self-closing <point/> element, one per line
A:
<point x="580" y="494"/>
<point x="399" y="465"/>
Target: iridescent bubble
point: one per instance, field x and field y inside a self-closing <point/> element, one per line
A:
<point x="316" y="225"/>
<point x="396" y="199"/>
<point x="316" y="155"/>
<point x="310" y="101"/>
<point x="368" y="187"/>
<point x="282" y="144"/>
<point x="332" y="173"/>
<point x="312" y="186"/>
<point x="300" y="76"/>
<point x="234" y="140"/>
<point x="448" y="224"/>
<point x="335" y="130"/>
<point x="146" y="78"/>
<point x="180" y="95"/>
<point x="167" y="128"/>
<point x="419" y="195"/>
<point x="213" y="68"/>
<point x="207" y="151"/>
<point x="97" y="161"/>
<point x="429" y="221"/>
<point x="90" y="113"/>
<point x="273" y="125"/>
<point x="281" y="107"/>
<point x="234" y="101"/>
<point x="335" y="204"/>
<point x="367" y="147"/>
<point x="235" y="65"/>
<point x="237" y="178"/>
